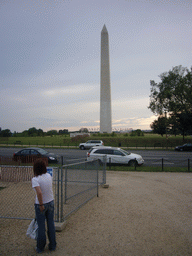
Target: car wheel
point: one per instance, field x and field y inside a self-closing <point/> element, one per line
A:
<point x="82" y="147"/>
<point x="132" y="163"/>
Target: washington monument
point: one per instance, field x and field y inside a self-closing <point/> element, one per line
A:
<point x="105" y="87"/>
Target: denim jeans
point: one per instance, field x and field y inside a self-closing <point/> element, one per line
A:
<point x="48" y="215"/>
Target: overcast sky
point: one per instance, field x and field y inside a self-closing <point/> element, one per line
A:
<point x="50" y="59"/>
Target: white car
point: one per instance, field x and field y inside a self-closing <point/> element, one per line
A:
<point x="90" y="144"/>
<point x="114" y="156"/>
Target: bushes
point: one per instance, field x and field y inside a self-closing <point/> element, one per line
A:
<point x="138" y="132"/>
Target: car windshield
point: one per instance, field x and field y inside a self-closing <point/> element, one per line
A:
<point x="42" y="151"/>
<point x="125" y="152"/>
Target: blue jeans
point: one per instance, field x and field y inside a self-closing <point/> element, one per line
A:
<point x="48" y="215"/>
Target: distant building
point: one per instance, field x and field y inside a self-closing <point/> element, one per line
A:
<point x="74" y="134"/>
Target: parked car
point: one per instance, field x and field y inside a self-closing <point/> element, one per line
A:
<point x="25" y="153"/>
<point x="185" y="147"/>
<point x="114" y="156"/>
<point x="90" y="144"/>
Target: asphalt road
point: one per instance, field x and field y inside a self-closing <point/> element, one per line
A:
<point x="151" y="157"/>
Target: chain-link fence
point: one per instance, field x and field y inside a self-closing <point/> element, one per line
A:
<point x="16" y="193"/>
<point x="73" y="186"/>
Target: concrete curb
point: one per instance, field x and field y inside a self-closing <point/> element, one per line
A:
<point x="59" y="226"/>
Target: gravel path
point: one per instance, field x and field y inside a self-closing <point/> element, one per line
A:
<point x="139" y="214"/>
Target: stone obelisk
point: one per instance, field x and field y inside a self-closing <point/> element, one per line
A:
<point x="105" y="87"/>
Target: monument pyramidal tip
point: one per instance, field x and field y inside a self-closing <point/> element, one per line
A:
<point x="105" y="86"/>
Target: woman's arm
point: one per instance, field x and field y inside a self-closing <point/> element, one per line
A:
<point x="40" y="198"/>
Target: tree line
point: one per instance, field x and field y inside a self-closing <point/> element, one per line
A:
<point x="32" y="132"/>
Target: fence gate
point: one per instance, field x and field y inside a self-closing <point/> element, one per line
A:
<point x="74" y="185"/>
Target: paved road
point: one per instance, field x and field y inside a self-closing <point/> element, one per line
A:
<point x="151" y="157"/>
<point x="170" y="158"/>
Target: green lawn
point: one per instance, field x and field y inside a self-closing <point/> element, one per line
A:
<point x="146" y="141"/>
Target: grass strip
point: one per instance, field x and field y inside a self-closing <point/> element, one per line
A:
<point x="148" y="169"/>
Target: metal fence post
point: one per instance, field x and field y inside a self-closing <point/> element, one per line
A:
<point x="97" y="182"/>
<point x="104" y="175"/>
<point x="162" y="164"/>
<point x="58" y="194"/>
<point x="109" y="163"/>
<point x="104" y="169"/>
<point x="61" y="213"/>
<point x="62" y="160"/>
<point x="65" y="185"/>
<point x="188" y="165"/>
<point x="105" y="161"/>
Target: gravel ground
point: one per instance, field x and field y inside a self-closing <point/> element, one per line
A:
<point x="139" y="214"/>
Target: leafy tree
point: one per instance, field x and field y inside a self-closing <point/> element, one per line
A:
<point x="25" y="133"/>
<point x="14" y="134"/>
<point x="137" y="132"/>
<point x="32" y="132"/>
<point x="52" y="132"/>
<point x="65" y="131"/>
<point x="84" y="130"/>
<point x="5" y="133"/>
<point x="173" y="125"/>
<point x="40" y="132"/>
<point x="159" y="126"/>
<point x="185" y="123"/>
<point x="173" y="95"/>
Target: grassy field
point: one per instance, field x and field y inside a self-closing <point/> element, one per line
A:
<point x="146" y="141"/>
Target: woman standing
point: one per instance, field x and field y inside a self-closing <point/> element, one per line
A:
<point x="44" y="206"/>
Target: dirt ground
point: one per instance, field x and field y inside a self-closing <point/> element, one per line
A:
<point x="139" y="214"/>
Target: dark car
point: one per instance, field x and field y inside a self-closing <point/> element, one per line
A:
<point x="23" y="154"/>
<point x="185" y="147"/>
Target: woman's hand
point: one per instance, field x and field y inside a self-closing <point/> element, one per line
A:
<point x="42" y="208"/>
